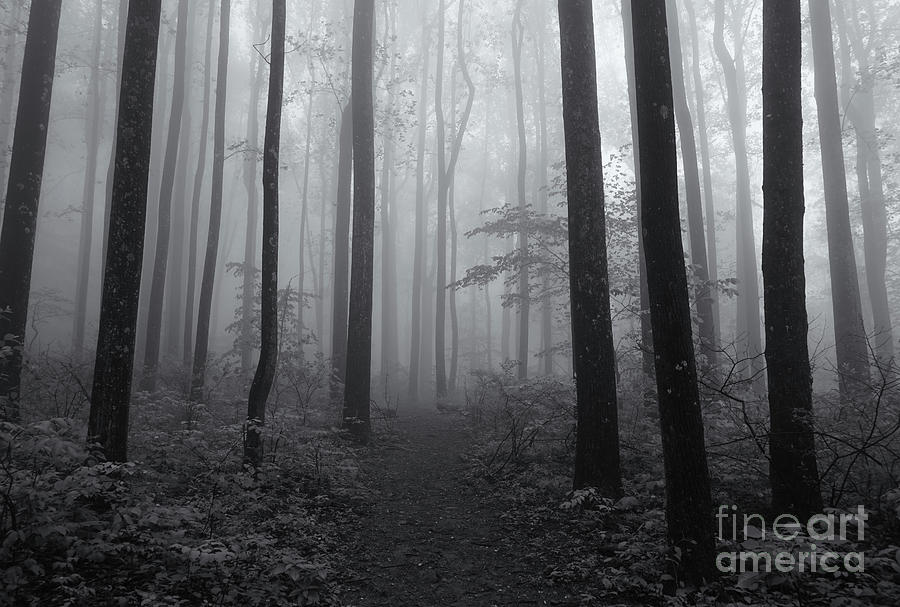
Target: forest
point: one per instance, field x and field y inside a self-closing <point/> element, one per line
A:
<point x="449" y="302"/>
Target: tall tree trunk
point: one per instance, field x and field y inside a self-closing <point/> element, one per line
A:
<point x="92" y="141"/>
<point x="164" y="218"/>
<point x="251" y="163"/>
<point x="419" y="247"/>
<point x="195" y="197"/>
<point x="688" y="501"/>
<point x="174" y="290"/>
<point x="342" y="250"/>
<point x="359" y="327"/>
<point x="748" y="339"/>
<point x="849" y="333"/>
<point x="646" y="345"/>
<point x="23" y="192"/>
<point x="201" y="342"/>
<point x="111" y="390"/>
<point x="389" y="339"/>
<point x="304" y="219"/>
<point x="597" y="434"/>
<point x="440" y="330"/>
<point x="698" y="258"/>
<point x="860" y="103"/>
<point x="542" y="196"/>
<point x="794" y="474"/>
<point x="518" y="37"/>
<point x="268" y="355"/>
<point x="710" y="206"/>
<point x="9" y="88"/>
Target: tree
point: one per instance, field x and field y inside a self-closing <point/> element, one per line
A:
<point x="359" y="327"/>
<point x="597" y="435"/>
<point x="164" y="216"/>
<point x="195" y="195"/>
<point x="688" y="501"/>
<point x="92" y="142"/>
<point x="690" y="162"/>
<point x="111" y="390"/>
<point x="201" y="343"/>
<point x="518" y="37"/>
<point x="268" y="356"/>
<point x="849" y="333"/>
<point x="748" y="333"/>
<point x="23" y="192"/>
<point x="420" y="227"/>
<point x="343" y="212"/>
<point x="794" y="475"/>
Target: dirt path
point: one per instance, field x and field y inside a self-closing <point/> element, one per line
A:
<point x="434" y="536"/>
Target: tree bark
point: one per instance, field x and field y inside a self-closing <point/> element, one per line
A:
<point x="268" y="355"/>
<point x="518" y="37"/>
<point x="688" y="501"/>
<point x="342" y="250"/>
<point x="359" y="327"/>
<point x="597" y="434"/>
<point x="23" y="192"/>
<point x="111" y="390"/>
<point x="793" y="471"/>
<point x="201" y="343"/>
<point x="164" y="217"/>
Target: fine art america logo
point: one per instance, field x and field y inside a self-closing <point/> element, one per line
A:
<point x="801" y="554"/>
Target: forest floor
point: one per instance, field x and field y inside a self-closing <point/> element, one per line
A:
<point x="435" y="535"/>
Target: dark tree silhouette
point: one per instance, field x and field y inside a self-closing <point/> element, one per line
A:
<point x="597" y="437"/>
<point x="23" y="192"/>
<point x="688" y="501"/>
<point x="359" y="327"/>
<point x="343" y="211"/>
<point x="201" y="343"/>
<point x="268" y="356"/>
<point x="108" y="422"/>
<point x="794" y="475"/>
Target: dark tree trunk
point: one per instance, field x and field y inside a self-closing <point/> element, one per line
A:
<point x="646" y="345"/>
<point x="849" y="333"/>
<point x="359" y="327"/>
<point x="747" y="336"/>
<point x="92" y="141"/>
<point x="195" y="197"/>
<point x="268" y="355"/>
<point x="201" y="342"/>
<point x="164" y="217"/>
<point x="690" y="162"/>
<point x="23" y="192"/>
<point x="597" y="435"/>
<point x="304" y="222"/>
<point x="542" y="196"/>
<point x="172" y="313"/>
<point x="420" y="226"/>
<point x="688" y="501"/>
<point x="440" y="330"/>
<point x="342" y="251"/>
<point x="518" y="37"/>
<point x="108" y="422"/>
<point x="794" y="475"/>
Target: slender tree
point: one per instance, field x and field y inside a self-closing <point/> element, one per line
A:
<point x="268" y="357"/>
<point x="164" y="211"/>
<point x="688" y="501"/>
<point x="597" y="435"/>
<point x="343" y="212"/>
<point x="195" y="195"/>
<point x="9" y="86"/>
<point x="420" y="227"/>
<point x="111" y="392"/>
<point x="518" y="38"/>
<point x="794" y="475"/>
<point x="92" y="141"/>
<point x="849" y="332"/>
<point x="201" y="343"/>
<point x="694" y="205"/>
<point x="23" y="192"/>
<point x="359" y="328"/>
